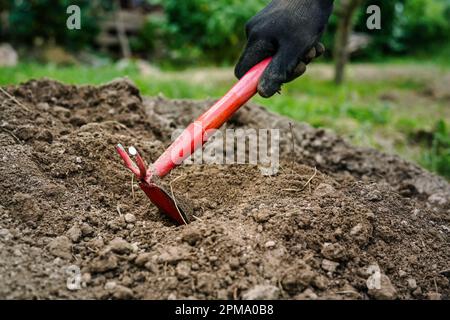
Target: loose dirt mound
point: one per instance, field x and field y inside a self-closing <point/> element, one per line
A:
<point x="69" y="218"/>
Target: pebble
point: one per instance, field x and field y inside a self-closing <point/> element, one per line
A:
<point x="130" y="218"/>
<point x="308" y="294"/>
<point x="183" y="270"/>
<point x="434" y="296"/>
<point x="356" y="229"/>
<point x="74" y="233"/>
<point x="122" y="293"/>
<point x="172" y="296"/>
<point x="385" y="290"/>
<point x="110" y="285"/>
<point x="412" y="284"/>
<point x="86" y="278"/>
<point x="262" y="292"/>
<point x="234" y="263"/>
<point x="438" y="199"/>
<point x="329" y="265"/>
<point x="86" y="230"/>
<point x="5" y="234"/>
<point x="61" y="247"/>
<point x="270" y="244"/>
<point x="324" y="189"/>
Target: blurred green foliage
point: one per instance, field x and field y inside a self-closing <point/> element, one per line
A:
<point x="408" y="27"/>
<point x="213" y="31"/>
<point x="46" y="20"/>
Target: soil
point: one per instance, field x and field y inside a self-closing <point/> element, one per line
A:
<point x="332" y="222"/>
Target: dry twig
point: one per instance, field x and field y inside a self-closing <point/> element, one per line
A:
<point x="12" y="135"/>
<point x="14" y="99"/>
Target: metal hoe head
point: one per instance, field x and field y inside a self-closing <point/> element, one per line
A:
<point x="149" y="183"/>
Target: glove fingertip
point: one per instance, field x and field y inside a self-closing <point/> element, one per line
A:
<point x="244" y="66"/>
<point x="237" y="72"/>
<point x="267" y="88"/>
<point x="320" y="49"/>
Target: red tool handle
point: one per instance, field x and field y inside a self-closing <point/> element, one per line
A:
<point x="195" y="135"/>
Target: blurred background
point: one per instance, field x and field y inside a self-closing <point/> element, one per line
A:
<point x="386" y="88"/>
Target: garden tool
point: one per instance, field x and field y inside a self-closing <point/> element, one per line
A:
<point x="192" y="138"/>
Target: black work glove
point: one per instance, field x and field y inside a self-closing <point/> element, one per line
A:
<point x="288" y="30"/>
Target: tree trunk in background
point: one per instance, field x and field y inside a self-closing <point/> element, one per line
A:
<point x="345" y="12"/>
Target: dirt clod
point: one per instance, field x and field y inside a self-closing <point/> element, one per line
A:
<point x="61" y="247"/>
<point x="74" y="233"/>
<point x="119" y="245"/>
<point x="385" y="290"/>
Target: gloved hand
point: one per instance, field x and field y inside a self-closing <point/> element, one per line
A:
<point x="288" y="30"/>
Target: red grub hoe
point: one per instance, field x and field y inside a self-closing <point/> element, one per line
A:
<point x="192" y="138"/>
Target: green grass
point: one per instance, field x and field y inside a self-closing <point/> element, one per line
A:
<point x="353" y="110"/>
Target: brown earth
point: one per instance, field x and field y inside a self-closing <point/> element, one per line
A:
<point x="66" y="203"/>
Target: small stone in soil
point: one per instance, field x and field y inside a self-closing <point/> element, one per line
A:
<point x="110" y="285"/>
<point x="324" y="189"/>
<point x="308" y="294"/>
<point x="412" y="284"/>
<point x="234" y="263"/>
<point x="329" y="265"/>
<point x="130" y="218"/>
<point x="74" y="233"/>
<point x="261" y="292"/>
<point x="269" y="244"/>
<point x="86" y="230"/>
<point x="434" y="296"/>
<point x="183" y="270"/>
<point x="385" y="291"/>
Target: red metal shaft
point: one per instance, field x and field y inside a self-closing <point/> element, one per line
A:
<point x="193" y="137"/>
